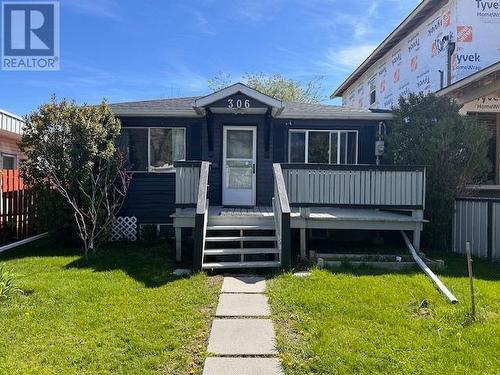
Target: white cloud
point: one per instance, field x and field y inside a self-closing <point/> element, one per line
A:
<point x="97" y="8"/>
<point x="349" y="57"/>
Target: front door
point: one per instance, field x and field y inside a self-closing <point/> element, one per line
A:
<point x="238" y="176"/>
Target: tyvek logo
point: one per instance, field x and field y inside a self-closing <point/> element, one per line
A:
<point x="30" y="34"/>
<point x="464" y="34"/>
<point x="414" y="63"/>
<point x="396" y="76"/>
<point x="446" y="19"/>
<point x="382" y="86"/>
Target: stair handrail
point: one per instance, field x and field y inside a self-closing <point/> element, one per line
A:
<point x="201" y="216"/>
<point x="281" y="208"/>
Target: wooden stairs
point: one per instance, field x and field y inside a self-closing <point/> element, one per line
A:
<point x="231" y="246"/>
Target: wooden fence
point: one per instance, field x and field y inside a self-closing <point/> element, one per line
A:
<point x="17" y="211"/>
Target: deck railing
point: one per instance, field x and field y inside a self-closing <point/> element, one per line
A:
<point x="281" y="210"/>
<point x="201" y="216"/>
<point x="374" y="186"/>
<point x="187" y="180"/>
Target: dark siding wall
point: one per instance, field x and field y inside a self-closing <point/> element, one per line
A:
<point x="264" y="162"/>
<point x="151" y="196"/>
<point x="367" y="135"/>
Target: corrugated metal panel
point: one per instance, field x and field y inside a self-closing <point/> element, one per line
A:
<point x="495" y="251"/>
<point x="470" y="224"/>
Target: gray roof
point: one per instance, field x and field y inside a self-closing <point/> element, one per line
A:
<point x="185" y="107"/>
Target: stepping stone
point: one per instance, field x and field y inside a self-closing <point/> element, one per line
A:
<point x="242" y="337"/>
<point x="242" y="366"/>
<point x="242" y="305"/>
<point x="244" y="284"/>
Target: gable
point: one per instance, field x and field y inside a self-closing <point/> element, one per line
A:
<point x="238" y="97"/>
<point x="238" y="101"/>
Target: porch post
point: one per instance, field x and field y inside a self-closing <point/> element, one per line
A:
<point x="303" y="243"/>
<point x="419" y="215"/>
<point x="178" y="244"/>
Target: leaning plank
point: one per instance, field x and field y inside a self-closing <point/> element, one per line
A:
<point x="22" y="242"/>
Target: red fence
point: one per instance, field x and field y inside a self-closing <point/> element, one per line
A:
<point x="16" y="207"/>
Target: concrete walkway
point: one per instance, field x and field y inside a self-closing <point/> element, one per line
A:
<point x="242" y="340"/>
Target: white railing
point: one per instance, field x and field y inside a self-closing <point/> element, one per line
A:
<point x="355" y="185"/>
<point x="187" y="180"/>
<point x="281" y="209"/>
<point x="201" y="216"/>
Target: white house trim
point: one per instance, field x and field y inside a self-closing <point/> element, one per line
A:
<point x="233" y="89"/>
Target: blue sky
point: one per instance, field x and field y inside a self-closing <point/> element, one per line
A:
<point x="127" y="50"/>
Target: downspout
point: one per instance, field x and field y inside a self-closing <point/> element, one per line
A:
<point x="439" y="284"/>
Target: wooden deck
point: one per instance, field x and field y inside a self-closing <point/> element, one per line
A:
<point x="315" y="217"/>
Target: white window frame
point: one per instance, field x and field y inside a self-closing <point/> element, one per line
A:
<point x="306" y="140"/>
<point x="372" y="83"/>
<point x="172" y="170"/>
<point x="13" y="156"/>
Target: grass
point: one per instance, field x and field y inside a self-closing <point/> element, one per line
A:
<point x="123" y="312"/>
<point x="374" y="322"/>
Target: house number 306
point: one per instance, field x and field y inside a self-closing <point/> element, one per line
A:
<point x="238" y="103"/>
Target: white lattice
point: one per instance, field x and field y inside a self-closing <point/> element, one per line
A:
<point x="124" y="228"/>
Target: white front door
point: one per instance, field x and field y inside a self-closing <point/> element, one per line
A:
<point x="238" y="176"/>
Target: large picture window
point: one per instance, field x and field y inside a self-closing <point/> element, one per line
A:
<point x="323" y="146"/>
<point x="152" y="149"/>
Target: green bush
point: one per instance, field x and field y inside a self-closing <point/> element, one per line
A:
<point x="7" y="284"/>
<point x="428" y="130"/>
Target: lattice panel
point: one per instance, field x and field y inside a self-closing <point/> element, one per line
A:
<point x="124" y="228"/>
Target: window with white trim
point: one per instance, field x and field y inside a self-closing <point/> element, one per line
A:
<point x="323" y="146"/>
<point x="152" y="149"/>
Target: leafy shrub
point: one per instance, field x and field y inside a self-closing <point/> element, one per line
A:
<point x="7" y="284"/>
<point x="428" y="130"/>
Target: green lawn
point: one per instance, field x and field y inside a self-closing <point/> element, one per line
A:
<point x="122" y="313"/>
<point x="369" y="322"/>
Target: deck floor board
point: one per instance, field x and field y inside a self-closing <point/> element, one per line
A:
<point x="319" y="213"/>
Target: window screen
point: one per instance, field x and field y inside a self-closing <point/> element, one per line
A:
<point x="165" y="146"/>
<point x="134" y="145"/>
<point x="319" y="147"/>
<point x="297" y="147"/>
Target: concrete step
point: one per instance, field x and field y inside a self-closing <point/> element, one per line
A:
<point x="245" y="251"/>
<point x="240" y="238"/>
<point x="240" y="227"/>
<point x="242" y="366"/>
<point x="226" y="265"/>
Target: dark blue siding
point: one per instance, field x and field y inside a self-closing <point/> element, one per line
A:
<point x="151" y="196"/>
